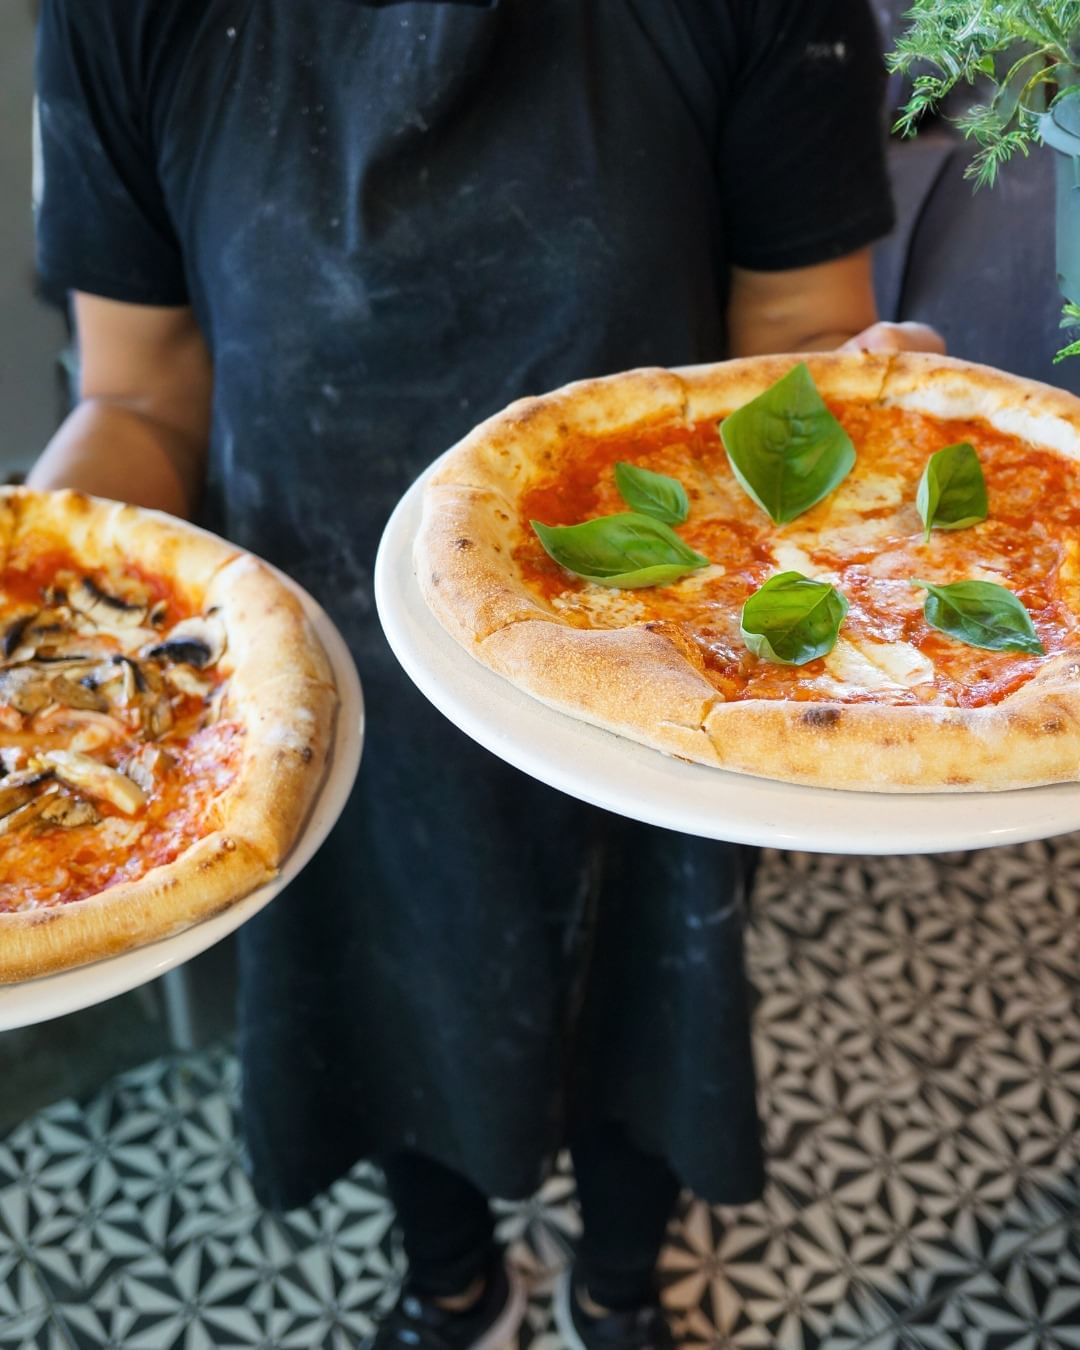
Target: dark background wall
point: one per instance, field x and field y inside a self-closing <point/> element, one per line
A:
<point x="30" y="334"/>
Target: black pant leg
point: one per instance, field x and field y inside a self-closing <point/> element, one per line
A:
<point x="627" y="1198"/>
<point x="445" y="1221"/>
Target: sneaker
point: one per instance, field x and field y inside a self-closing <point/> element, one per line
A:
<point x="489" y="1325"/>
<point x="643" y="1328"/>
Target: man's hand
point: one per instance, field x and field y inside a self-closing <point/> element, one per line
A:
<point x="140" y="431"/>
<point x="896" y="337"/>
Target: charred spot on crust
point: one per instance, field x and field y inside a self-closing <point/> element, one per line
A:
<point x="435" y="578"/>
<point x="1054" y="726"/>
<point x="307" y="754"/>
<point x="825" y="718"/>
<point x="463" y="544"/>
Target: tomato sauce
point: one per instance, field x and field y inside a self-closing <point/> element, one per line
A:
<point x="866" y="537"/>
<point x="41" y="867"/>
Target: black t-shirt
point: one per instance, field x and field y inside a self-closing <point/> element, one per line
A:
<point x="391" y="220"/>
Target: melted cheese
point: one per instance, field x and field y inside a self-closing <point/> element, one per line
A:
<point x="792" y="558"/>
<point x="700" y="580"/>
<point x="864" y="664"/>
<point x="605" y="604"/>
<point x="863" y="492"/>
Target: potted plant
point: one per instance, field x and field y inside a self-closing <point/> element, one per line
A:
<point x="1026" y="56"/>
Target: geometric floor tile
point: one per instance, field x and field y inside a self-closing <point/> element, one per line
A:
<point x="1032" y="1300"/>
<point x="917" y="1030"/>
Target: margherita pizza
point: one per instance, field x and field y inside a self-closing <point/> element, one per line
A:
<point x="851" y="570"/>
<point x="165" y="721"/>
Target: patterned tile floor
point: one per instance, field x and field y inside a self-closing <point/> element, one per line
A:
<point x="918" y="1036"/>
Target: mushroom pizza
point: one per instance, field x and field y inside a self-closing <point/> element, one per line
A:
<point x="165" y="721"/>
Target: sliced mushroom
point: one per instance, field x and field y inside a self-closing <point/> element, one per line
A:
<point x="148" y="766"/>
<point x="14" y="631"/>
<point x="83" y="729"/>
<point x="28" y="813"/>
<point x="156" y="715"/>
<point x="198" y="641"/>
<point x="152" y="676"/>
<point x="76" y="694"/>
<point x="97" y="779"/>
<point x="185" y="681"/>
<point x="216" y="706"/>
<point x="115" y="680"/>
<point x="18" y="788"/>
<point x="88" y="598"/>
<point x="52" y="635"/>
<point x="26" y="688"/>
<point x="133" y="674"/>
<point x="68" y="811"/>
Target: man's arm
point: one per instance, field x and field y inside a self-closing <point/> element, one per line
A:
<point x="816" y="308"/>
<point x="140" y="430"/>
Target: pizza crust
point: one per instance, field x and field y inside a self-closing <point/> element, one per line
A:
<point x="208" y="878"/>
<point x="716" y="390"/>
<point x="642" y="682"/>
<point x="945" y="387"/>
<point x="505" y="452"/>
<point x="281" y="688"/>
<point x="109" y="534"/>
<point x="474" y="530"/>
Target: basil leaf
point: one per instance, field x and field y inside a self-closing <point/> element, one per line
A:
<point x="627" y="550"/>
<point x="952" y="489"/>
<point x="792" y="619"/>
<point x="786" y="448"/>
<point x="655" y="494"/>
<point x="982" y="614"/>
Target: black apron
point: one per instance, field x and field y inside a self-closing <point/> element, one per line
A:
<point x="473" y="961"/>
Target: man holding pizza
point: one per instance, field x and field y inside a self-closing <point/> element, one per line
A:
<point x="310" y="244"/>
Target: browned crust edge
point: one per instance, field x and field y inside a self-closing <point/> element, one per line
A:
<point x="463" y="566"/>
<point x="944" y="386"/>
<point x="207" y="878"/>
<point x="104" y="533"/>
<point x="281" y="689"/>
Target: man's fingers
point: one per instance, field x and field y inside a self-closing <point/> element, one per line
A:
<point x="896" y="337"/>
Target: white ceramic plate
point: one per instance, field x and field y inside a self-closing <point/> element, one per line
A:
<point x="39" y="1000"/>
<point x="632" y="780"/>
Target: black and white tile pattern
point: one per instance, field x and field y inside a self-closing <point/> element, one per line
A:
<point x="918" y="1039"/>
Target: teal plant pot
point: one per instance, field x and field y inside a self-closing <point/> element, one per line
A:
<point x="1060" y="129"/>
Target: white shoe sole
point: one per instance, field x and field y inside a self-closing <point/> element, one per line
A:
<point x="564" y="1321"/>
<point x="501" y="1335"/>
